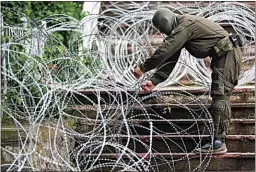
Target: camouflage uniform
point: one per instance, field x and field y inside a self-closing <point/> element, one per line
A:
<point x="201" y="37"/>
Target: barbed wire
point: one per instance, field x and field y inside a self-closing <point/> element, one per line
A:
<point x="60" y="128"/>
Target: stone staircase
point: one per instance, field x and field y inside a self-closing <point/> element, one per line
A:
<point x="163" y="129"/>
<point x="178" y="127"/>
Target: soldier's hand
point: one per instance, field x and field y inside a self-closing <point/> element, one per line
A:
<point x="148" y="86"/>
<point x="137" y="72"/>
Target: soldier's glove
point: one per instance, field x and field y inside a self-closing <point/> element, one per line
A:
<point x="148" y="86"/>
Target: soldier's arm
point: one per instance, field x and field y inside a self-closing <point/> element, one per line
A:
<point x="165" y="69"/>
<point x="167" y="49"/>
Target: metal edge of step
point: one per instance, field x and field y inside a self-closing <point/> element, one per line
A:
<point x="166" y="121"/>
<point x="176" y="136"/>
<point x="162" y="121"/>
<point x="178" y="155"/>
<point x="166" y="135"/>
<point x="91" y="121"/>
<point x="158" y="105"/>
<point x="233" y="105"/>
<point x="189" y="89"/>
<point x="243" y="121"/>
<point x="146" y="121"/>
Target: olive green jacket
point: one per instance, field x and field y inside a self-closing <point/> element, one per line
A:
<point x="198" y="35"/>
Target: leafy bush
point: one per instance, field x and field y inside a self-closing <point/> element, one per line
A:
<point x="39" y="10"/>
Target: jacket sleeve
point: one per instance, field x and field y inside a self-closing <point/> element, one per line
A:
<point x="170" y="46"/>
<point x="165" y="69"/>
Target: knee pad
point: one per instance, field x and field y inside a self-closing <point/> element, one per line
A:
<point x="218" y="105"/>
<point x="220" y="109"/>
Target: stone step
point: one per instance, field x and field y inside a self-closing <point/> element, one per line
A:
<point x="167" y="111"/>
<point x="247" y="127"/>
<point x="183" y="95"/>
<point x="163" y="143"/>
<point x="141" y="126"/>
<point x="180" y="162"/>
<point x="165" y="162"/>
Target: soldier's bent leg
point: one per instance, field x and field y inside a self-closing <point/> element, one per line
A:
<point x="221" y="113"/>
<point x="224" y="77"/>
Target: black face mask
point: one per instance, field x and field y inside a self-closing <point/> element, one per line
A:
<point x="165" y="20"/>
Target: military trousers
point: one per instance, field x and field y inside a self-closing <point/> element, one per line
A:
<point x="225" y="73"/>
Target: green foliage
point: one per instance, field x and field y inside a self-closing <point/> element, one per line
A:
<point x="27" y="69"/>
<point x="37" y="10"/>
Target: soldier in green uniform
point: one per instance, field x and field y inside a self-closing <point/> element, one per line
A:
<point x="201" y="37"/>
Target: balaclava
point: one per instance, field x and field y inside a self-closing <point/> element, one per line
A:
<point x="165" y="20"/>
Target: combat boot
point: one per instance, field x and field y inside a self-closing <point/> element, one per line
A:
<point x="218" y="147"/>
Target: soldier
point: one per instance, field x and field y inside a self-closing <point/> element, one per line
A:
<point x="201" y="37"/>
